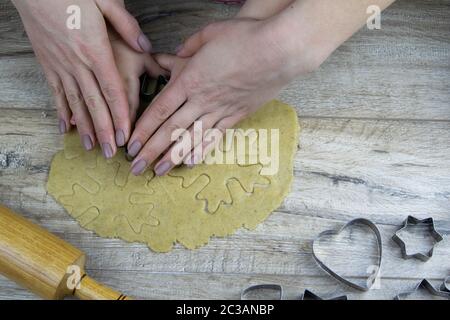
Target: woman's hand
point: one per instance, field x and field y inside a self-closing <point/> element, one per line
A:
<point x="80" y="68"/>
<point x="238" y="66"/>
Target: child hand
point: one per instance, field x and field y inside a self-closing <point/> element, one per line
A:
<point x="131" y="66"/>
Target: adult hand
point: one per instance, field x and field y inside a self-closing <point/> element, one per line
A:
<point x="79" y="65"/>
<point x="238" y="66"/>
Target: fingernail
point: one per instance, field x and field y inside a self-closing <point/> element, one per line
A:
<point x="197" y="159"/>
<point x="139" y="167"/>
<point x="120" y="138"/>
<point x="178" y="48"/>
<point x="190" y="162"/>
<point x="107" y="150"/>
<point x="62" y="126"/>
<point x="144" y="43"/>
<point x="87" y="142"/>
<point x="163" y="168"/>
<point x="134" y="149"/>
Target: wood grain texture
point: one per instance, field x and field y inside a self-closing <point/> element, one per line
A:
<point x="375" y="144"/>
<point x="147" y="285"/>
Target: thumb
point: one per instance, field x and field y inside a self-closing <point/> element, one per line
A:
<point x="153" y="68"/>
<point x="126" y="25"/>
<point x="166" y="61"/>
<point x="197" y="40"/>
<point x="172" y="64"/>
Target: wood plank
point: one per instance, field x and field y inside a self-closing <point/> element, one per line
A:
<point x="382" y="169"/>
<point x="280" y="246"/>
<point x="147" y="285"/>
<point x="398" y="72"/>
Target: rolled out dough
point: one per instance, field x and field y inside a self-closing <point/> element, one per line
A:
<point x="189" y="206"/>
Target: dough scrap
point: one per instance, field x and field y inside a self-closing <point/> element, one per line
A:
<point x="188" y="206"/>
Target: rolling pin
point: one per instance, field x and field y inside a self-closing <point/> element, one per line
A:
<point x="45" y="264"/>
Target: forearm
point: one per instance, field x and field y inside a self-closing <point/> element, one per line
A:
<point x="318" y="27"/>
<point x="262" y="9"/>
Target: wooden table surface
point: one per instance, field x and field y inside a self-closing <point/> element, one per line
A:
<point x="375" y="144"/>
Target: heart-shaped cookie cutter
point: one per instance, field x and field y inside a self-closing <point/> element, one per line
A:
<point x="335" y="275"/>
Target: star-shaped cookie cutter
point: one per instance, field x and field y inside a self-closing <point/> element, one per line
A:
<point x="412" y="221"/>
<point x="424" y="284"/>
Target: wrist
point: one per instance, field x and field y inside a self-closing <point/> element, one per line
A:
<point x="299" y="54"/>
<point x="310" y="30"/>
<point x="262" y="9"/>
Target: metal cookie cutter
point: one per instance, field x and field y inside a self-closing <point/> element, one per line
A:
<point x="273" y="287"/>
<point x="424" y="284"/>
<point x="374" y="228"/>
<point x="309" y="295"/>
<point x="412" y="221"/>
<point x="445" y="286"/>
<point x="150" y="87"/>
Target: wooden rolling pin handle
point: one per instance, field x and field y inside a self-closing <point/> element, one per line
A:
<point x="89" y="289"/>
<point x="39" y="261"/>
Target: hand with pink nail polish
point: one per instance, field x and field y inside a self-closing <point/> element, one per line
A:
<point x="71" y="42"/>
<point x="221" y="75"/>
<point x="229" y="69"/>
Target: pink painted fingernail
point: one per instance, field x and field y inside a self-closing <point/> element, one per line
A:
<point x="195" y="160"/>
<point x="190" y="162"/>
<point x="120" y="138"/>
<point x="107" y="150"/>
<point x="139" y="167"/>
<point x="87" y="142"/>
<point x="144" y="43"/>
<point x="62" y="127"/>
<point x="134" y="149"/>
<point x="163" y="168"/>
